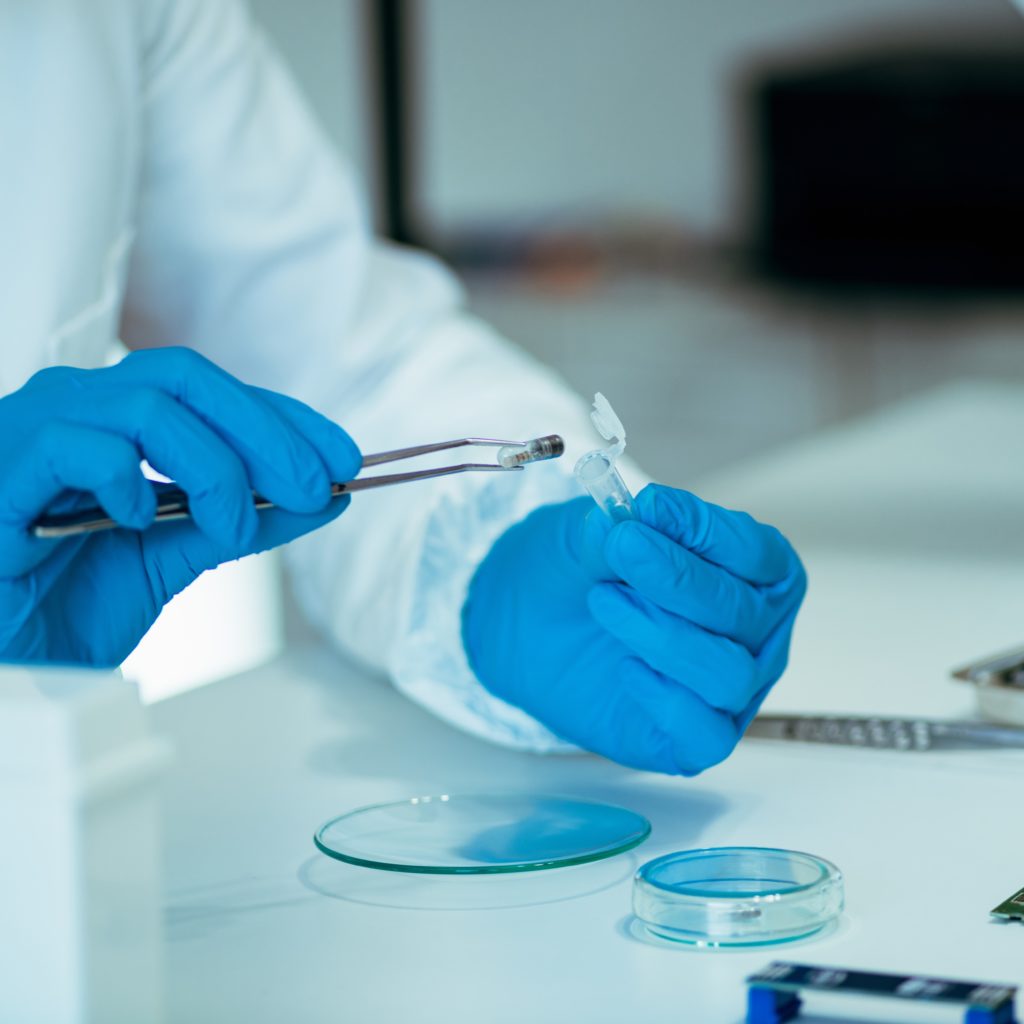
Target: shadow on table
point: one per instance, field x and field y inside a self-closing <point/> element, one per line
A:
<point x="432" y="758"/>
<point x="436" y="755"/>
<point x="680" y="810"/>
<point x="394" y="739"/>
<point x="405" y="891"/>
<point x="198" y="911"/>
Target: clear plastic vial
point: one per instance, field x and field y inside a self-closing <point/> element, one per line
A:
<point x="596" y="471"/>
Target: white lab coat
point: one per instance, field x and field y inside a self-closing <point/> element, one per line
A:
<point x="164" y="183"/>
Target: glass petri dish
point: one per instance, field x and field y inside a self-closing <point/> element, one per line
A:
<point x="481" y="834"/>
<point x="737" y="896"/>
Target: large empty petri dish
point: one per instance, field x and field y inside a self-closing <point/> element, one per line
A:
<point x="737" y="896"/>
<point x="481" y="834"/>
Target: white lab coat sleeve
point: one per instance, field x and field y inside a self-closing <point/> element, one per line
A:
<point x="252" y="247"/>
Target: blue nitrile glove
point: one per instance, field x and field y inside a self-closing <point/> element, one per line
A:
<point x="75" y="437"/>
<point x="652" y="641"/>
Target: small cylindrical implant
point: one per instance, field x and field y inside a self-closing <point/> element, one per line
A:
<point x="537" y="450"/>
<point x="597" y="472"/>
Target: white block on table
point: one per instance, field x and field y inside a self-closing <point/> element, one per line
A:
<point x="80" y="929"/>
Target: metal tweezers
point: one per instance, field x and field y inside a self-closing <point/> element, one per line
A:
<point x="172" y="502"/>
<point x="1003" y="671"/>
<point x="907" y="734"/>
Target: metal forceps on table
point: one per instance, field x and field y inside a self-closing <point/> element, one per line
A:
<point x="1000" y="684"/>
<point x="172" y="502"/>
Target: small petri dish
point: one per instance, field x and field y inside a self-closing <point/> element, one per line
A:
<point x="481" y="834"/>
<point x="736" y="896"/>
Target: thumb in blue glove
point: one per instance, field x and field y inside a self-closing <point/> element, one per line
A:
<point x="652" y="641"/>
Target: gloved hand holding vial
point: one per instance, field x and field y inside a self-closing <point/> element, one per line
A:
<point x="647" y="629"/>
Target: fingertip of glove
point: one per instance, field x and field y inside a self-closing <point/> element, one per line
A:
<point x="629" y="543"/>
<point x="314" y="495"/>
<point x="238" y="524"/>
<point x="646" y="502"/>
<point x="336" y="506"/>
<point x="712" y="747"/>
<point x="141" y="519"/>
<point x="667" y="509"/>
<point x="143" y="511"/>
<point x="230" y="528"/>
<point x="352" y="452"/>
<point x="342" y="455"/>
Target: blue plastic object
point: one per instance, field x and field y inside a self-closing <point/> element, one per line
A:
<point x="72" y="437"/>
<point x="773" y="995"/>
<point x="651" y="641"/>
<point x="766" y="1006"/>
<point x="980" y="1015"/>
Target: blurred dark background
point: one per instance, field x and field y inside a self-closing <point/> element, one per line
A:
<point x="743" y="221"/>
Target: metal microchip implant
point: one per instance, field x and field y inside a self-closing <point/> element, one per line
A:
<point x="538" y="450"/>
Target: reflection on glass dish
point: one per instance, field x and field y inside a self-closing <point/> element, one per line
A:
<point x="481" y="834"/>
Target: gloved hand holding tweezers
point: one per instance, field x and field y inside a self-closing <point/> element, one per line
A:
<point x="172" y="502"/>
<point x="83" y="571"/>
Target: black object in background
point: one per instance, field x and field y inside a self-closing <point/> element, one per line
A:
<point x="894" y="170"/>
<point x="392" y="42"/>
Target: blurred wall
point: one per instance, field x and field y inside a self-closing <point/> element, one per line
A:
<point x="578" y="106"/>
<point x="323" y="42"/>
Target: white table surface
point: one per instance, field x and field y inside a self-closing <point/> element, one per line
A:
<point x="912" y="528"/>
